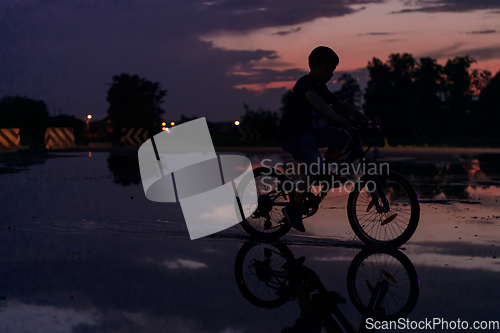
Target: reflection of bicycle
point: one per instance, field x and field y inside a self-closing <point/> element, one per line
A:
<point x="382" y="208"/>
<point x="382" y="284"/>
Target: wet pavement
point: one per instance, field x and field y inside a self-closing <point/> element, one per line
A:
<point x="83" y="250"/>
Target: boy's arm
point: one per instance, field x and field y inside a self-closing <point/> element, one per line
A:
<point x="321" y="106"/>
<point x="348" y="109"/>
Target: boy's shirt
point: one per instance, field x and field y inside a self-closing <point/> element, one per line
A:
<point x="299" y="114"/>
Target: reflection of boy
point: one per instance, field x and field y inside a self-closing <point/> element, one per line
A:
<point x="298" y="134"/>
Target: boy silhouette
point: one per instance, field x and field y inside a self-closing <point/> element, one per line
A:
<point x="299" y="133"/>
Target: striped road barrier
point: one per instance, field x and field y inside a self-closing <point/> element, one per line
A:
<point x="9" y="138"/>
<point x="248" y="134"/>
<point x="59" y="137"/>
<point x="134" y="136"/>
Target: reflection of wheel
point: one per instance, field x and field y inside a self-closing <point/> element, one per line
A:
<point x="273" y="193"/>
<point x="394" y="227"/>
<point x="259" y="273"/>
<point x="372" y="268"/>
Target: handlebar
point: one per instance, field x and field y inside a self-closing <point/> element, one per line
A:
<point x="372" y="124"/>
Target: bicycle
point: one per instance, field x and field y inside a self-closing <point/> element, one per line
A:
<point x="381" y="282"/>
<point x="381" y="208"/>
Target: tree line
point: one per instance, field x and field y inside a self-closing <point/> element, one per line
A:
<point x="417" y="100"/>
<point x="420" y="101"/>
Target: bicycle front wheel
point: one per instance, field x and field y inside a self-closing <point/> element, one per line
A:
<point x="376" y="265"/>
<point x="392" y="228"/>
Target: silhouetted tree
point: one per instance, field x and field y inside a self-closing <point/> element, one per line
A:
<point x="29" y="115"/>
<point x="284" y="100"/>
<point x="185" y="119"/>
<point x="424" y="99"/>
<point x="427" y="88"/>
<point x="349" y="91"/>
<point x="265" y="121"/>
<point x="460" y="86"/>
<point x="403" y="68"/>
<point x="378" y="90"/>
<point x="134" y="102"/>
<point x="389" y="94"/>
<point x="479" y="80"/>
<point x="489" y="108"/>
<point x="457" y="85"/>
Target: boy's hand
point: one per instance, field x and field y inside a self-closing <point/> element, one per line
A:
<point x="344" y="124"/>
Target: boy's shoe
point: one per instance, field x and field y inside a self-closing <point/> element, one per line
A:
<point x="293" y="215"/>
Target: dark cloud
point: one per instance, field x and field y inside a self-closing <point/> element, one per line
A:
<point x="287" y="32"/>
<point x="482" y="32"/>
<point x="484" y="53"/>
<point x="266" y="76"/>
<point x="436" y="6"/>
<point x="443" y="52"/>
<point x="246" y="14"/>
<point x="65" y="53"/>
<point x="377" y="34"/>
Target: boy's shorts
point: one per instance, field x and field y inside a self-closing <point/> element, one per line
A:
<point x="304" y="147"/>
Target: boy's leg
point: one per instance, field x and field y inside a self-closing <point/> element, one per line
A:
<point x="304" y="149"/>
<point x="335" y="139"/>
<point x="302" y="189"/>
<point x="335" y="151"/>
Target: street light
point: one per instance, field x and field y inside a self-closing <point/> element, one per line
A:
<point x="89" y="116"/>
<point x="236" y="122"/>
<point x="172" y="124"/>
<point x="163" y="124"/>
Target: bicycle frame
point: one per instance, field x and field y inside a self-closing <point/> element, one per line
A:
<point x="355" y="152"/>
<point x="276" y="280"/>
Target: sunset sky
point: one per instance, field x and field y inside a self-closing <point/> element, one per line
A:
<point x="213" y="56"/>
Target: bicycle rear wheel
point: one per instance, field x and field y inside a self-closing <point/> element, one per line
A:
<point x="259" y="273"/>
<point x="394" y="227"/>
<point x="274" y="192"/>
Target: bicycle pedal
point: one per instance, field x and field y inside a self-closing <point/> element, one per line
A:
<point x="389" y="219"/>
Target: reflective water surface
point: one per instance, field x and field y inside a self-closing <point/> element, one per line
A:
<point x="83" y="250"/>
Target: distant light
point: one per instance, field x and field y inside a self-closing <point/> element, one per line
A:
<point x="236" y="122"/>
<point x="163" y="124"/>
<point x="172" y="124"/>
<point x="164" y="128"/>
<point x="89" y="116"/>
